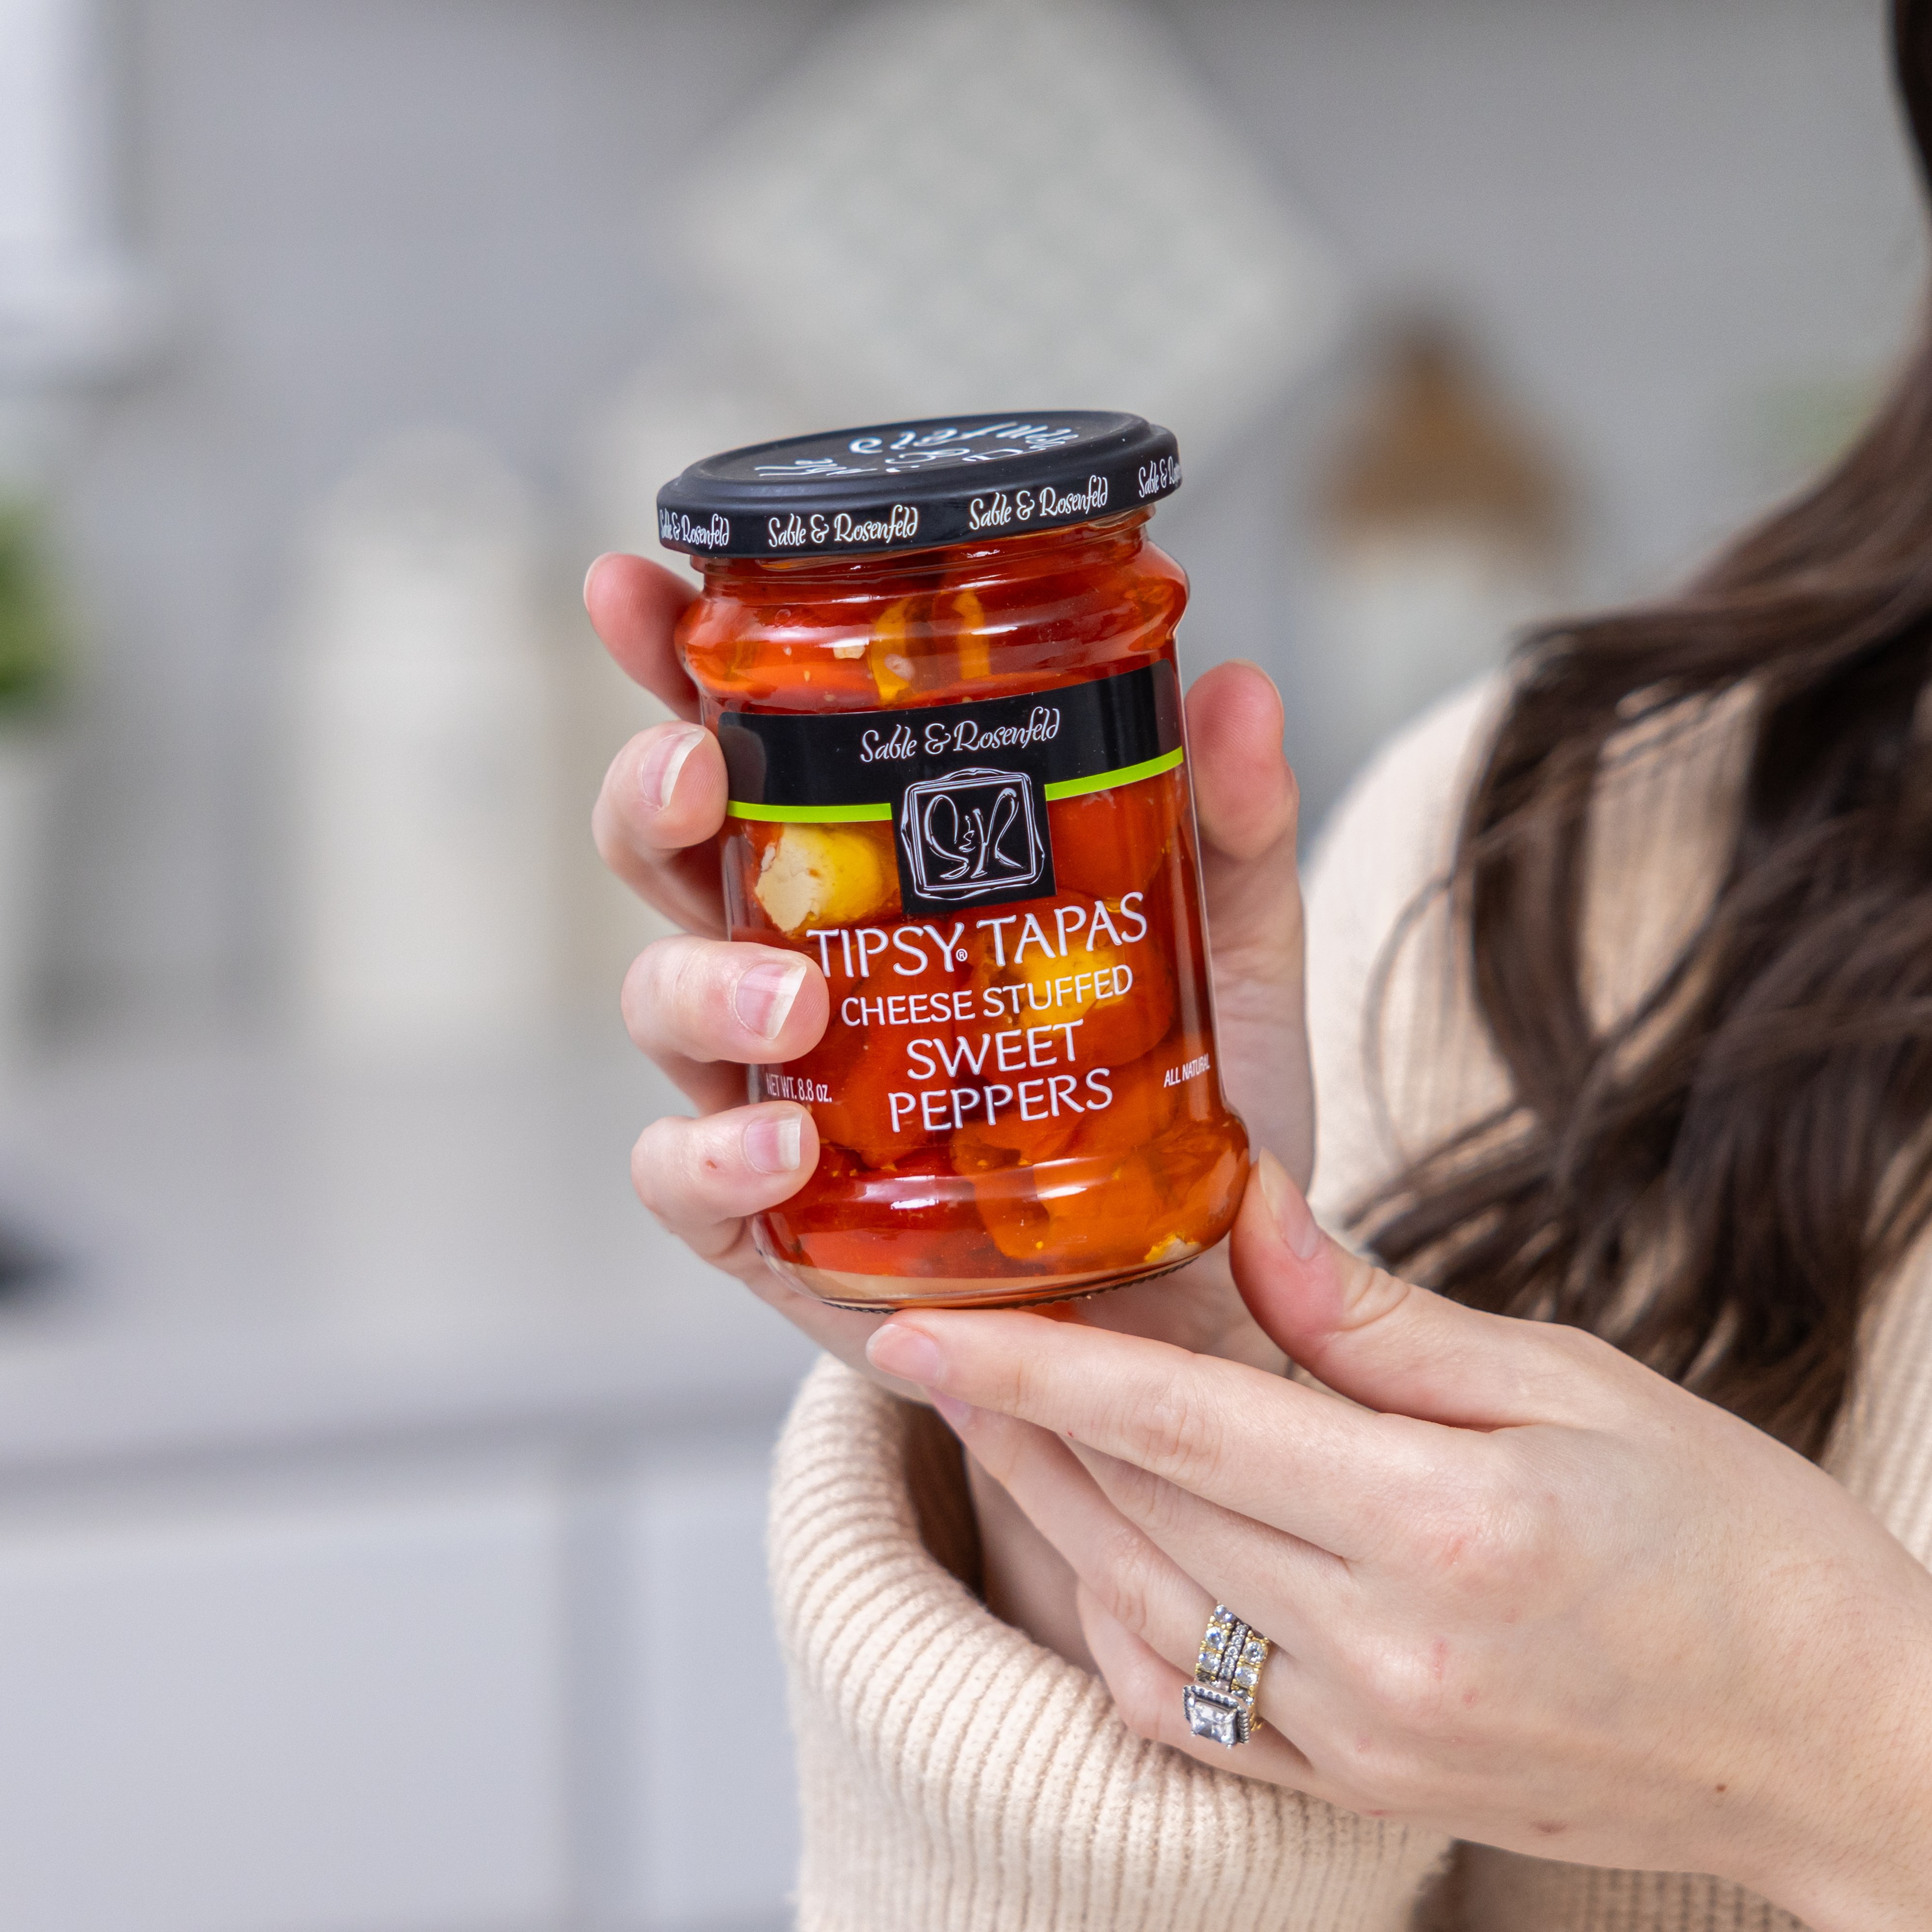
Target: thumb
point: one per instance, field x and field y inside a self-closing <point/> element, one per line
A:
<point x="1388" y="1344"/>
<point x="1246" y="807"/>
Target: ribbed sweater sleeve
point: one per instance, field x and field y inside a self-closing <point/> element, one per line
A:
<point x="954" y="1777"/>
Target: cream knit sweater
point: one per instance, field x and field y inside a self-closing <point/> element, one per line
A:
<point x="955" y="1777"/>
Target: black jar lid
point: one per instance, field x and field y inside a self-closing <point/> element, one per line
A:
<point x="914" y="485"/>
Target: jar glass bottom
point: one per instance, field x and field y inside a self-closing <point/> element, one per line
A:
<point x="877" y="1294"/>
<point x="1009" y="1236"/>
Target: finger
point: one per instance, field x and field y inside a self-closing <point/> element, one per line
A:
<point x="1159" y="1558"/>
<point x="1147" y="1690"/>
<point x="1321" y="1469"/>
<point x="1244" y="792"/>
<point x="841" y="1332"/>
<point x="1295" y="1594"/>
<point x="1384" y="1343"/>
<point x="700" y="1178"/>
<point x="1247" y="806"/>
<point x="1124" y="1573"/>
<point x="710" y="1086"/>
<point x="634" y="607"/>
<point x="703" y="1000"/>
<point x="1197" y="1308"/>
<point x="1142" y="1587"/>
<point x="656" y="822"/>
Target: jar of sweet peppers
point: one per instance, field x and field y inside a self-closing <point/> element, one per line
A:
<point x="939" y="659"/>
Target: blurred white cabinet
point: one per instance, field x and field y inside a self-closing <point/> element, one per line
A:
<point x="312" y="1706"/>
<point x="359" y="1697"/>
<point x="705" y="1829"/>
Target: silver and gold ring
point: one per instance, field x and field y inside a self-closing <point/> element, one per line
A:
<point x="1220" y="1702"/>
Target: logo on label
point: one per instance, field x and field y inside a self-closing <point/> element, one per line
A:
<point x="973" y="834"/>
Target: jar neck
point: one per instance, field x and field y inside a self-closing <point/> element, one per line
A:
<point x="1116" y="539"/>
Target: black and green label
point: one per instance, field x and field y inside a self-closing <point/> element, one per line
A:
<point x="965" y="786"/>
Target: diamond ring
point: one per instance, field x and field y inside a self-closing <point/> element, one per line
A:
<point x="1220" y="1702"/>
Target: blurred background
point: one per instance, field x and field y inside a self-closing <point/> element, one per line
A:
<point x="380" y="1493"/>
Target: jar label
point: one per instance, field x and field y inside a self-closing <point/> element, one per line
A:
<point x="965" y="787"/>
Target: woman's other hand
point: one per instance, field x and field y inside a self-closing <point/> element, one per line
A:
<point x="1529" y="1592"/>
<point x="703" y="1008"/>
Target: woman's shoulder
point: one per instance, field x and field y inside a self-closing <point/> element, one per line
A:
<point x="1393" y="828"/>
<point x="1378" y="916"/>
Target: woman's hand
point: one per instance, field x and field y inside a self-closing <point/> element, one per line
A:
<point x="703" y="1008"/>
<point x="1544" y="1599"/>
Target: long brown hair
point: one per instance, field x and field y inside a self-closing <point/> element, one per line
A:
<point x="1762" y="1121"/>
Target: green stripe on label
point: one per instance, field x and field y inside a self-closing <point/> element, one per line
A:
<point x="1124" y="774"/>
<point x="881" y="814"/>
<point x="811" y="814"/>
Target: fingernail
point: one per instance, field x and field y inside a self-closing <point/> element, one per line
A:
<point x="1286" y="1203"/>
<point x="765" y="994"/>
<point x="957" y="1414"/>
<point x="596" y="564"/>
<point x="905" y="1352"/>
<point x="771" y="1141"/>
<point x="657" y="779"/>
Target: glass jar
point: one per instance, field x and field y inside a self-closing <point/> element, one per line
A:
<point x="939" y="659"/>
